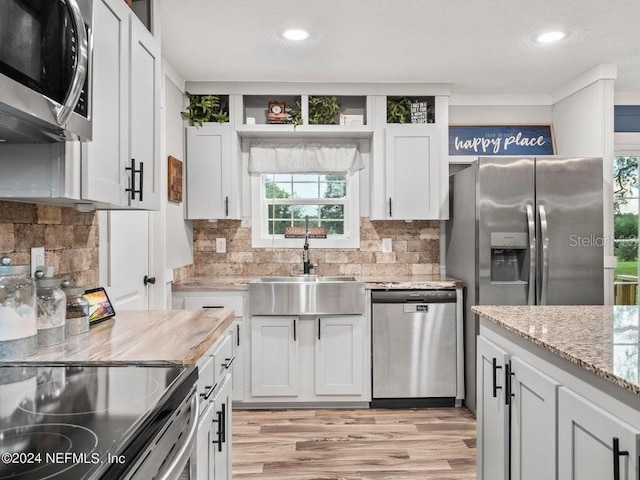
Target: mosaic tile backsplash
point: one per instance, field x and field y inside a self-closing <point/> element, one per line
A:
<point x="416" y="251"/>
<point x="70" y="239"/>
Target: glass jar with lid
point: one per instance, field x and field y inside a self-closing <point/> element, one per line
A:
<point x="18" y="328"/>
<point x="77" y="310"/>
<point x="52" y="310"/>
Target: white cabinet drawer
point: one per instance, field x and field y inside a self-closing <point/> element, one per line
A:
<point x="222" y="355"/>
<point x="206" y="376"/>
<point x="233" y="302"/>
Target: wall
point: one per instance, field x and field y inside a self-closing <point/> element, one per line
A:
<point x="179" y="233"/>
<point x="416" y="251"/>
<point x="70" y="239"/>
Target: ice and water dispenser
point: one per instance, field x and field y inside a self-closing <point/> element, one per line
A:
<point x="508" y="252"/>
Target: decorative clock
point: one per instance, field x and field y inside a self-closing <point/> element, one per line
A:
<point x="276" y="112"/>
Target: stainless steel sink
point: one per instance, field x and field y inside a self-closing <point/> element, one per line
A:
<point x="306" y="295"/>
<point x="305" y="279"/>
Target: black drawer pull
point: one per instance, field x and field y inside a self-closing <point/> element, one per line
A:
<point x="213" y="306"/>
<point x="495" y="367"/>
<point x="617" y="453"/>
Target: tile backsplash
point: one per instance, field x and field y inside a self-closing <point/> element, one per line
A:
<point x="415" y="251"/>
<point x="70" y="239"/>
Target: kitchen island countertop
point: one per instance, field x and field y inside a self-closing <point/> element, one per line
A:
<point x="176" y="336"/>
<point x="408" y="282"/>
<point x="601" y="339"/>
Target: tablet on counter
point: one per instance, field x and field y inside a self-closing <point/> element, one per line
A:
<point x="100" y="307"/>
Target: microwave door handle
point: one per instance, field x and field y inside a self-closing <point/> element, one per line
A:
<point x="64" y="111"/>
<point x="544" y="231"/>
<point x="531" y="223"/>
<point x="184" y="452"/>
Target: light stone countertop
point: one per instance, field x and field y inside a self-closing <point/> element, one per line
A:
<point x="414" y="282"/>
<point x="602" y="339"/>
<point x="176" y="336"/>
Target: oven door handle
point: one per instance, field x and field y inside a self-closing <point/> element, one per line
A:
<point x="64" y="111"/>
<point x="184" y="452"/>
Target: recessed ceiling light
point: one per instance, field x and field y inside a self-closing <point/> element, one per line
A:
<point x="551" y="37"/>
<point x="296" y="34"/>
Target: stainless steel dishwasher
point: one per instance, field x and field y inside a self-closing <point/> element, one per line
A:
<point x="414" y="348"/>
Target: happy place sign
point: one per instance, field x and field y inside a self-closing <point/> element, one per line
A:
<point x="501" y="140"/>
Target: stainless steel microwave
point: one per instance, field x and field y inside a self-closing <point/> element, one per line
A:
<point x="45" y="81"/>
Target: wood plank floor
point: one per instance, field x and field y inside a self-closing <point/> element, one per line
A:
<point x="366" y="444"/>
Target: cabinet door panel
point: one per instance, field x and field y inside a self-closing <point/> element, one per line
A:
<point x="339" y="356"/>
<point x="274" y="356"/>
<point x="585" y="441"/>
<point x="533" y="423"/>
<point x="413" y="172"/>
<point x="208" y="148"/>
<point x="145" y="113"/>
<point x="103" y="170"/>
<point x="492" y="413"/>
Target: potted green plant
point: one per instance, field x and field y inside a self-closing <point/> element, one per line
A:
<point x="205" y="108"/>
<point x="295" y="113"/>
<point x="323" y="110"/>
<point x="398" y="110"/>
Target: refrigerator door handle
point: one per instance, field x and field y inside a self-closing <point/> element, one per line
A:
<point x="544" y="230"/>
<point x="531" y="222"/>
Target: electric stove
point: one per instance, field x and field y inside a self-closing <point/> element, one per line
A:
<point x="85" y="421"/>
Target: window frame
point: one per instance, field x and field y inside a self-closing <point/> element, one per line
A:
<point x="260" y="237"/>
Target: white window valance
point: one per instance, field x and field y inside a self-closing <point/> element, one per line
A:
<point x="304" y="158"/>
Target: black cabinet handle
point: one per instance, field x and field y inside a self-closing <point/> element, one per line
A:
<point x="390" y="215"/>
<point x="223" y="433"/>
<point x="617" y="453"/>
<point x="495" y="366"/>
<point x="226" y="206"/>
<point x="228" y="361"/>
<point x="219" y="421"/>
<point x="319" y="326"/>
<point x="294" y="330"/>
<point x="146" y="280"/>
<point x="213" y="306"/>
<point x="141" y="172"/>
<point x="507" y="386"/>
<point x="207" y="391"/>
<point x="238" y="335"/>
<point x="132" y="181"/>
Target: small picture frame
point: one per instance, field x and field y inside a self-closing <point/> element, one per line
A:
<point x="174" y="177"/>
<point x="276" y="112"/>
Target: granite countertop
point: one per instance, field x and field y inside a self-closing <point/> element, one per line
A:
<point x="177" y="336"/>
<point x="602" y="339"/>
<point x="415" y="282"/>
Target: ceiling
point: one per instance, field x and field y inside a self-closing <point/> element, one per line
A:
<point x="477" y="46"/>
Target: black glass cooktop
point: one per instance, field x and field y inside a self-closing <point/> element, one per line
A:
<point x="83" y="421"/>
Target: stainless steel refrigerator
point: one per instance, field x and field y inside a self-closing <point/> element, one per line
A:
<point x="525" y="231"/>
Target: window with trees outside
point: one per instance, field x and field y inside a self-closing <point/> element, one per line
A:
<point x="327" y="199"/>
<point x="626" y="206"/>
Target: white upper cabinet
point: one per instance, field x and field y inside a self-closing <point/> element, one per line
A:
<point x="410" y="163"/>
<point x="121" y="167"/>
<point x="213" y="170"/>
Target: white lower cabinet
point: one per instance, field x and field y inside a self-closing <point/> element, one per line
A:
<point x="274" y="356"/>
<point x="338" y="355"/>
<point x="532" y="426"/>
<point x="516" y="417"/>
<point x="309" y="359"/>
<point x="492" y="413"/>
<point x="592" y="443"/>
<point x="226" y="299"/>
<point x="213" y="455"/>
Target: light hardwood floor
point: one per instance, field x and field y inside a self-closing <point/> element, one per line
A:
<point x="367" y="444"/>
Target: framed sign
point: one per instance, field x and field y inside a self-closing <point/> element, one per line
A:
<point x="501" y="140"/>
<point x="299" y="232"/>
<point x="174" y="176"/>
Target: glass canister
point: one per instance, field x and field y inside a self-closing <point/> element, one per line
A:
<point x="18" y="327"/>
<point x="77" y="310"/>
<point x="52" y="310"/>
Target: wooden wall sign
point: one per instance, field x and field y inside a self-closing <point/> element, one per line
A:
<point x="175" y="180"/>
<point x="501" y="140"/>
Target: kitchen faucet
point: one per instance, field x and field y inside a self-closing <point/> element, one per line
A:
<point x="306" y="263"/>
